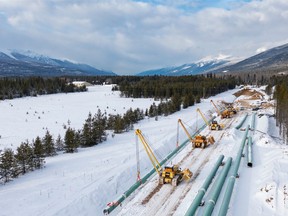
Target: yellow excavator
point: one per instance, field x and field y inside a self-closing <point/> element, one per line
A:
<point x="199" y="141"/>
<point x="170" y="174"/>
<point x="214" y="124"/>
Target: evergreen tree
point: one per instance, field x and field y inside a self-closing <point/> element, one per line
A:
<point x="99" y="125"/>
<point x="49" y="145"/>
<point x="118" y="125"/>
<point x="59" y="143"/>
<point x="38" y="153"/>
<point x="70" y="142"/>
<point x="87" y="135"/>
<point x="24" y="157"/>
<point x="8" y="165"/>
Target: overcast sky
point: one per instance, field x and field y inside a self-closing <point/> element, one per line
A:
<point x="127" y="37"/>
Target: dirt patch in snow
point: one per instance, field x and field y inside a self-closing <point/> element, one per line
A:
<point x="251" y="94"/>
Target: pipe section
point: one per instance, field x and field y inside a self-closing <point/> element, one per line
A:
<point x="249" y="152"/>
<point x="253" y="121"/>
<point x="234" y="173"/>
<point x="127" y="193"/>
<point x="242" y="121"/>
<point x="201" y="192"/>
<point x="216" y="188"/>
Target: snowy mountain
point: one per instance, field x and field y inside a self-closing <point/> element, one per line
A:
<point x="28" y="63"/>
<point x="202" y="66"/>
<point x="275" y="59"/>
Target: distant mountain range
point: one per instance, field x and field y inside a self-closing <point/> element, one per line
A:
<point x="275" y="59"/>
<point x="27" y="63"/>
<point x="200" y="67"/>
<point x="272" y="60"/>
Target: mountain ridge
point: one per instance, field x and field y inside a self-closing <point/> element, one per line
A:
<point x="28" y="63"/>
<point x="274" y="59"/>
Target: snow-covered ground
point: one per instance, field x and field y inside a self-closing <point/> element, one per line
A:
<point x="84" y="182"/>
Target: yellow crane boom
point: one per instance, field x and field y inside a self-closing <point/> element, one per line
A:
<point x="203" y="117"/>
<point x="218" y="111"/>
<point x="149" y="152"/>
<point x="186" y="131"/>
<point x="172" y="175"/>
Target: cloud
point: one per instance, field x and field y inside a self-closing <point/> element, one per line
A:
<point x="131" y="36"/>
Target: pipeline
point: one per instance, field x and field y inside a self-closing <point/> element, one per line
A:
<point x="242" y="121"/>
<point x="127" y="193"/>
<point x="249" y="152"/>
<point x="201" y="192"/>
<point x="228" y="193"/>
<point x="253" y="121"/>
<point x="216" y="188"/>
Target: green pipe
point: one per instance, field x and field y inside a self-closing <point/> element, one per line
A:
<point x="242" y="121"/>
<point x="253" y="121"/>
<point x="216" y="188"/>
<point x="201" y="192"/>
<point x="228" y="193"/>
<point x="249" y="152"/>
<point x="127" y="193"/>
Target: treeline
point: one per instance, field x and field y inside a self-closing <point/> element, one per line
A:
<point x="28" y="157"/>
<point x="31" y="156"/>
<point x="32" y="86"/>
<point x="183" y="87"/>
<point x="281" y="96"/>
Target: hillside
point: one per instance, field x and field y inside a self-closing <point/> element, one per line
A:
<point x="27" y="63"/>
<point x="187" y="69"/>
<point x="84" y="182"/>
<point x="272" y="60"/>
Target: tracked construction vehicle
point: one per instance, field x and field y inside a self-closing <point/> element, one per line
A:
<point x="174" y="175"/>
<point x="213" y="125"/>
<point x="171" y="175"/>
<point x="226" y="114"/>
<point x="200" y="141"/>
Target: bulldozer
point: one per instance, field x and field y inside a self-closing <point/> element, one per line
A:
<point x="174" y="175"/>
<point x="198" y="141"/>
<point x="215" y="126"/>
<point x="231" y="109"/>
<point x="201" y="141"/>
<point x="226" y="114"/>
<point x="171" y="175"/>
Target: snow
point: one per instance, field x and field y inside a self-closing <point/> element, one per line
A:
<point x="84" y="182"/>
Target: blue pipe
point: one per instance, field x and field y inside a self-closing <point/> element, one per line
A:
<point x="201" y="192"/>
<point x="216" y="188"/>
<point x="228" y="193"/>
<point x="242" y="121"/>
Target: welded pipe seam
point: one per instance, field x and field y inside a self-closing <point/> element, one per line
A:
<point x="202" y="189"/>
<point x="212" y="201"/>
